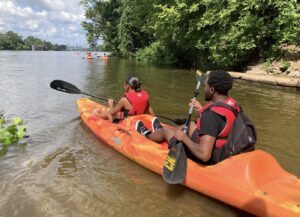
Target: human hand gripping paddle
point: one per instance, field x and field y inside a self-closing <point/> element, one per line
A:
<point x="175" y="165"/>
<point x="66" y="87"/>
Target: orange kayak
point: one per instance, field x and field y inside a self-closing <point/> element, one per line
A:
<point x="253" y="182"/>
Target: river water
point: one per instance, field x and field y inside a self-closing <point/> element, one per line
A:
<point x="64" y="170"/>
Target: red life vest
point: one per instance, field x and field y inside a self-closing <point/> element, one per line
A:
<point x="139" y="101"/>
<point x="224" y="112"/>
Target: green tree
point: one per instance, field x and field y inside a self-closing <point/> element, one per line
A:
<point x="12" y="41"/>
<point x="195" y="33"/>
<point x="102" y="19"/>
<point x="133" y="31"/>
<point x="30" y="40"/>
<point x="2" y="41"/>
<point x="48" y="45"/>
<point x="226" y="33"/>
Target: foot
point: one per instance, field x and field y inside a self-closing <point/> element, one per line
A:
<point x="140" y="127"/>
<point x="156" y="124"/>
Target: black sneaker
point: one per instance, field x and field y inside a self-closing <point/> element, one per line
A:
<point x="140" y="127"/>
<point x="156" y="124"/>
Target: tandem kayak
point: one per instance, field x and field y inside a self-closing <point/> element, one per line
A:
<point x="253" y="182"/>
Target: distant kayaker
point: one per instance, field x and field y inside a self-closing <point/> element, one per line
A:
<point x="203" y="144"/>
<point x="104" y="57"/>
<point x="134" y="102"/>
<point x="89" y="55"/>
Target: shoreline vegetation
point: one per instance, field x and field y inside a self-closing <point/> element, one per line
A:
<point x="258" y="37"/>
<point x="13" y="41"/>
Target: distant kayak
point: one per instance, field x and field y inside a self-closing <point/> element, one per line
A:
<point x="253" y="182"/>
<point x="89" y="55"/>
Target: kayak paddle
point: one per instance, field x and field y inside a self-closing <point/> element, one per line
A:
<point x="177" y="121"/>
<point x="67" y="87"/>
<point x="175" y="165"/>
<point x="70" y="88"/>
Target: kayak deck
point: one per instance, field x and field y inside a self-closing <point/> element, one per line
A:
<point x="253" y="181"/>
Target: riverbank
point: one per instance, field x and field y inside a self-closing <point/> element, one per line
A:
<point x="277" y="73"/>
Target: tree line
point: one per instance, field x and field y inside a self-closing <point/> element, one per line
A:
<point x="193" y="33"/>
<point x="12" y="41"/>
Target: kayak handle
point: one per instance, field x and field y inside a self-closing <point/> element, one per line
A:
<point x="124" y="131"/>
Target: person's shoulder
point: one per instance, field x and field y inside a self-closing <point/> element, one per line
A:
<point x="209" y="114"/>
<point x="123" y="99"/>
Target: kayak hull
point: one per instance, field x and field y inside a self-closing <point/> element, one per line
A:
<point x="253" y="182"/>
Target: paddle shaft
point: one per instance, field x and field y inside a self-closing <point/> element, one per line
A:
<point x="175" y="166"/>
<point x="98" y="97"/>
<point x="175" y="121"/>
<point x="67" y="87"/>
<point x="187" y="123"/>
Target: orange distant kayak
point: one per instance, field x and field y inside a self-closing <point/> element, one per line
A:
<point x="253" y="182"/>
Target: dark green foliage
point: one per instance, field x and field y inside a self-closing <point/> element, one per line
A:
<point x="194" y="33"/>
<point x="156" y="54"/>
<point x="102" y="19"/>
<point x="12" y="41"/>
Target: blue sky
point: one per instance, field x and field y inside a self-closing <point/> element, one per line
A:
<point x="57" y="21"/>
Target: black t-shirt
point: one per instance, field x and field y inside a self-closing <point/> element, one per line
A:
<point x="211" y="123"/>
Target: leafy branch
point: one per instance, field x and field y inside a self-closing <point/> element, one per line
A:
<point x="11" y="132"/>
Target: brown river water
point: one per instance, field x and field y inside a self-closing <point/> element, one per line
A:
<point x="64" y="170"/>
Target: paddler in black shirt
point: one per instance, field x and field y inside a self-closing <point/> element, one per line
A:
<point x="207" y="137"/>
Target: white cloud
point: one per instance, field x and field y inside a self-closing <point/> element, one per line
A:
<point x="32" y="24"/>
<point x="42" y="14"/>
<point x="51" y="31"/>
<point x="57" y="21"/>
<point x="73" y="28"/>
<point x="9" y="8"/>
<point x="56" y="5"/>
<point x="69" y="17"/>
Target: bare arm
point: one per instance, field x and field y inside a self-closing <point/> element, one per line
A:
<point x="150" y="110"/>
<point x="118" y="107"/>
<point x="202" y="150"/>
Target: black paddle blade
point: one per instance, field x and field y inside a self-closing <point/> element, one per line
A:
<point x="174" y="170"/>
<point x="64" y="87"/>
